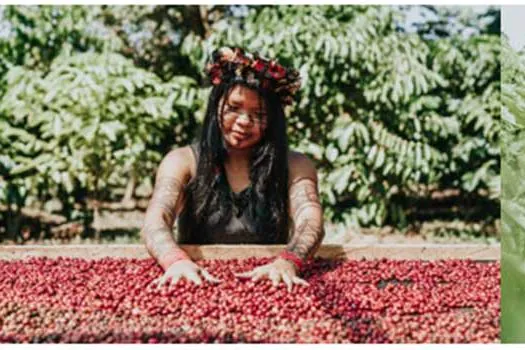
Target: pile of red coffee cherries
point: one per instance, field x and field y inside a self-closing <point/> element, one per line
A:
<point x="110" y="300"/>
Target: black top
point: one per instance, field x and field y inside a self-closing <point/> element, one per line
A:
<point x="241" y="228"/>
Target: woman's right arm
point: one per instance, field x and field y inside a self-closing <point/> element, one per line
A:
<point x="174" y="172"/>
<point x="172" y="175"/>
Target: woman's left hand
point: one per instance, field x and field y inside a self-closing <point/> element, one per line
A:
<point x="279" y="269"/>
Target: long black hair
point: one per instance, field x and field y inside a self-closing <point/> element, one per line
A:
<point x="268" y="168"/>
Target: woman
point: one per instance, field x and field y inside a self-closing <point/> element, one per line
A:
<point x="239" y="184"/>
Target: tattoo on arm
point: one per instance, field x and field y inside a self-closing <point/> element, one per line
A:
<point x="158" y="233"/>
<point x="165" y="196"/>
<point x="307" y="216"/>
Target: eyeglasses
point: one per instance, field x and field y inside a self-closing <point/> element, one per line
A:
<point x="233" y="112"/>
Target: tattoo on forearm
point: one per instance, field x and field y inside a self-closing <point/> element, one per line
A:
<point x="303" y="195"/>
<point x="159" y="242"/>
<point x="309" y="232"/>
<point x="165" y="197"/>
<point x="158" y="234"/>
<point x="306" y="239"/>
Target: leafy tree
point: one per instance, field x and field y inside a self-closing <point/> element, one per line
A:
<point x="161" y="38"/>
<point x="36" y="35"/>
<point x="90" y="124"/>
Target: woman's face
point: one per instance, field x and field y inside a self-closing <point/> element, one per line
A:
<point x="243" y="119"/>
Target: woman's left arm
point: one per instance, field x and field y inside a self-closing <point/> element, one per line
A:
<point x="307" y="220"/>
<point x="306" y="212"/>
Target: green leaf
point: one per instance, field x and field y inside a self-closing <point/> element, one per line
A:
<point x="331" y="153"/>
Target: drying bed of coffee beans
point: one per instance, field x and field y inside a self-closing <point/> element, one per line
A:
<point x="72" y="300"/>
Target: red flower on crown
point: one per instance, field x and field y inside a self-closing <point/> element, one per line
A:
<point x="258" y="65"/>
<point x="276" y="71"/>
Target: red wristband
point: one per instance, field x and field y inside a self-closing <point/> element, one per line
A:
<point x="287" y="255"/>
<point x="169" y="259"/>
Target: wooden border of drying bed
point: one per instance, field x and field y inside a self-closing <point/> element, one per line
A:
<point x="330" y="251"/>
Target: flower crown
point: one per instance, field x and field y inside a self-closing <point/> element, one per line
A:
<point x="233" y="64"/>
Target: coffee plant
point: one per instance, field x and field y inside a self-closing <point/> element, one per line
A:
<point x="90" y="124"/>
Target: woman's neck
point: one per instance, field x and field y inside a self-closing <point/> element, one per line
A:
<point x="238" y="159"/>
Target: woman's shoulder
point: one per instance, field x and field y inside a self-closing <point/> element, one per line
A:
<point x="300" y="165"/>
<point x="179" y="159"/>
<point x="299" y="159"/>
<point x="181" y="153"/>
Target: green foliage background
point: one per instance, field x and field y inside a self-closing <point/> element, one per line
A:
<point x="513" y="194"/>
<point x="91" y="98"/>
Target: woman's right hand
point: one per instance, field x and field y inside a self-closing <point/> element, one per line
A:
<point x="187" y="269"/>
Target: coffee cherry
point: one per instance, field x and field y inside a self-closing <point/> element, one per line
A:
<point x="69" y="300"/>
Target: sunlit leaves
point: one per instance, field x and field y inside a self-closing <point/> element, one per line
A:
<point x="91" y="121"/>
